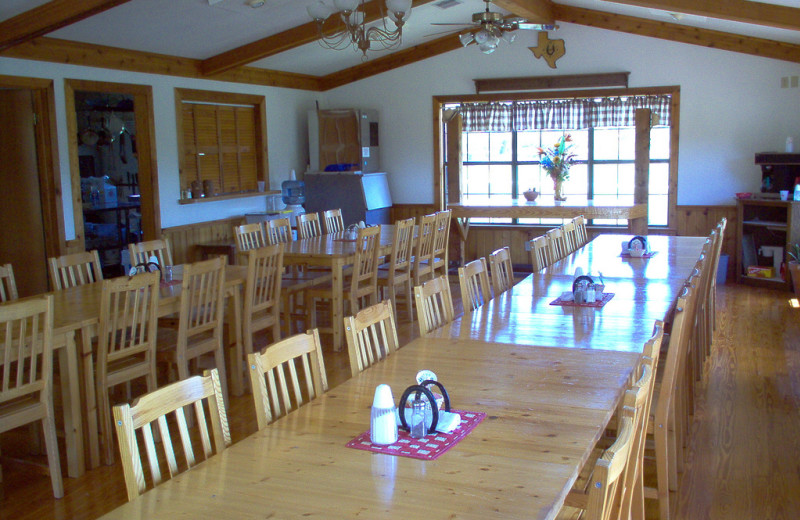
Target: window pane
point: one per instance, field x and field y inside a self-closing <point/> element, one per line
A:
<point x="500" y="180"/>
<point x="606" y="144"/>
<point x="477" y="146"/>
<point x="605" y="179"/>
<point x="527" y="146"/>
<point x="659" y="178"/>
<point x="657" y="212"/>
<point x="578" y="182"/>
<point x="659" y="143"/>
<point x="476" y="180"/>
<point x="500" y="146"/>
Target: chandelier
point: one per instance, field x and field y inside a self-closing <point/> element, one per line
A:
<point x="355" y="31"/>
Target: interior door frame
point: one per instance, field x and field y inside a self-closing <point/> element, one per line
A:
<point x="44" y="106"/>
<point x="145" y="148"/>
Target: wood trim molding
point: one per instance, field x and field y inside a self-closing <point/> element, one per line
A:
<point x="536" y="11"/>
<point x="76" y="53"/>
<point x="48" y="17"/>
<point x="679" y="33"/>
<point x="572" y="81"/>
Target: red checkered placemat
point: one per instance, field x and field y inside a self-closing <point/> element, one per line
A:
<point x="427" y="448"/>
<point x="598" y="303"/>
<point x="646" y="255"/>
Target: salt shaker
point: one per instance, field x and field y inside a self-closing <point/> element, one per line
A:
<point x="417" y="423"/>
<point x="382" y="424"/>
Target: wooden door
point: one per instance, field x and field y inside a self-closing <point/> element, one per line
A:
<point x="22" y="239"/>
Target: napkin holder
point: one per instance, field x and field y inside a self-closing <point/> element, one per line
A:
<point x="637" y="246"/>
<point x="419" y="391"/>
<point x="580" y="288"/>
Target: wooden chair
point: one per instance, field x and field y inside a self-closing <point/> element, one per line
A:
<point x="398" y="271"/>
<point x="434" y="304"/>
<point x="474" y="281"/>
<point x="200" y="321"/>
<point x="154" y="407"/>
<point x="308" y="225"/>
<point x="371" y="336"/>
<point x="75" y="269"/>
<point x="502" y="270"/>
<point x="423" y="251"/>
<point x="711" y="326"/>
<point x="580" y="230"/>
<point x="333" y="220"/>
<point x="540" y="253"/>
<point x="570" y="237"/>
<point x="268" y="376"/>
<point x="249" y="236"/>
<point x="26" y="374"/>
<point x="279" y="231"/>
<point x="558" y="248"/>
<point x="262" y="293"/>
<point x="8" y="286"/>
<point x="126" y="344"/>
<point x="441" y="243"/>
<point x="142" y="251"/>
<point x="363" y="278"/>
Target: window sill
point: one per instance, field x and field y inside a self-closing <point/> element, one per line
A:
<point x="230" y="196"/>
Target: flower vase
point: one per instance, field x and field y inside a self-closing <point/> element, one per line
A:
<point x="558" y="186"/>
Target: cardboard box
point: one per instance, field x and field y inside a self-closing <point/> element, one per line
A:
<point x="756" y="271"/>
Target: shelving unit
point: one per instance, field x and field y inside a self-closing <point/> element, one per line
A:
<point x="765" y="222"/>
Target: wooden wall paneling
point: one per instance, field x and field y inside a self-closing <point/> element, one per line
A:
<point x="183" y="238"/>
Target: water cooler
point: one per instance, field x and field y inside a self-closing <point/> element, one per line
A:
<point x="293" y="195"/>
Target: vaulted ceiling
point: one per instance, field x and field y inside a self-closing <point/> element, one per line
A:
<point x="276" y="44"/>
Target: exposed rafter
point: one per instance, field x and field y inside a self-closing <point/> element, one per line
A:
<point x="48" y="17"/>
<point x="535" y="11"/>
<point x="778" y="16"/>
<point x="289" y="39"/>
<point x="679" y="33"/>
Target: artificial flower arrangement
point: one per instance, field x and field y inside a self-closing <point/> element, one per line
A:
<point x="557" y="160"/>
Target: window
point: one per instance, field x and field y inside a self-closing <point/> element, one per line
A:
<point x="501" y="135"/>
<point x="222" y="140"/>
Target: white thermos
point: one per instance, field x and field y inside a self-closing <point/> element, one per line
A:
<point x="383" y="422"/>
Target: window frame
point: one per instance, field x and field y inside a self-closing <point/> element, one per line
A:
<point x="224" y="99"/>
<point x="441" y="181"/>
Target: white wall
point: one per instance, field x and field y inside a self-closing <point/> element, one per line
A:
<point x="286" y="133"/>
<point x="732" y="105"/>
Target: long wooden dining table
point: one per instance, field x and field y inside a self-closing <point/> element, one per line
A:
<point x="547" y="402"/>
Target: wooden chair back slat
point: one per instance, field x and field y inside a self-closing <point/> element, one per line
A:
<point x="8" y="285"/>
<point x="570" y="237"/>
<point x="434" y="304"/>
<point x="155" y="407"/>
<point x="308" y="225"/>
<point x="75" y="269"/>
<point x="502" y="270"/>
<point x="364" y="278"/>
<point x="441" y="243"/>
<point x="279" y="231"/>
<point x="555" y="237"/>
<point x="580" y="230"/>
<point x="473" y="279"/>
<point x="269" y="381"/>
<point x="540" y="253"/>
<point x="423" y="252"/>
<point x="249" y="236"/>
<point x="142" y="251"/>
<point x="333" y="220"/>
<point x="371" y="336"/>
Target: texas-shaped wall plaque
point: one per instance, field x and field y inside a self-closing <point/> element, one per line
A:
<point x="550" y="50"/>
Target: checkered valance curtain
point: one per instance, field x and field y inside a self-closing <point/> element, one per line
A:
<point x="561" y="114"/>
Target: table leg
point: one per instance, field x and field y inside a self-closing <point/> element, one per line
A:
<point x="337" y="303"/>
<point x="237" y="363"/>
<point x="70" y="395"/>
<point x="90" y="397"/>
<point x="463" y="232"/>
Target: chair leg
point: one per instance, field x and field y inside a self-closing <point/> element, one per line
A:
<point x="51" y="445"/>
<point x="104" y="410"/>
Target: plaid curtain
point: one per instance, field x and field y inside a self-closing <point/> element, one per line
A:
<point x="561" y="114"/>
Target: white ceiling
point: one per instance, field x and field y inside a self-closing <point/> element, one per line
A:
<point x="195" y="29"/>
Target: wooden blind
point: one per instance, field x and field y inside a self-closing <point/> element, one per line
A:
<point x="220" y="145"/>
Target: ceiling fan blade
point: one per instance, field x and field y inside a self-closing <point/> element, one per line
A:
<point x="440" y="33"/>
<point x="461" y="24"/>
<point x="538" y="26"/>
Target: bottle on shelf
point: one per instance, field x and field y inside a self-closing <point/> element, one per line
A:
<point x="797" y="188"/>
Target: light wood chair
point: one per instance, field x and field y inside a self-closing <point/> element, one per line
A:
<point x="126" y="344"/>
<point x="249" y="236"/>
<point x="712" y="299"/>
<point x="434" y="304"/>
<point x="26" y="374"/>
<point x="397" y="273"/>
<point x="75" y="269"/>
<point x="308" y="225"/>
<point x="361" y="288"/>
<point x="142" y="251"/>
<point x="371" y="336"/>
<point x="580" y="230"/>
<point x="423" y="250"/>
<point x="570" y="237"/>
<point x="268" y="376"/>
<point x="333" y="220"/>
<point x="555" y="238"/>
<point x="200" y="321"/>
<point x="279" y="231"/>
<point x="441" y="243"/>
<point x="473" y="279"/>
<point x="155" y="407"/>
<point x="262" y="293"/>
<point x="502" y="270"/>
<point x="540" y="253"/>
<point x="8" y="285"/>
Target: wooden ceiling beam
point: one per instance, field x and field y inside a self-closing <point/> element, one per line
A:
<point x="535" y="11"/>
<point x="392" y="61"/>
<point x="679" y="33"/>
<point x="746" y="11"/>
<point x="286" y="40"/>
<point x="76" y="53"/>
<point x="48" y="17"/>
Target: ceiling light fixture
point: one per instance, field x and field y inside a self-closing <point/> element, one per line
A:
<point x="355" y="31"/>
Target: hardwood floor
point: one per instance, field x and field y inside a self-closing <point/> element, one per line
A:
<point x="743" y="460"/>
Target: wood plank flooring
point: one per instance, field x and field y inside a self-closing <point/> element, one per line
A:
<point x="743" y="460"/>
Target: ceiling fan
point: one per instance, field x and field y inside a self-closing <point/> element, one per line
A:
<point x="488" y="27"/>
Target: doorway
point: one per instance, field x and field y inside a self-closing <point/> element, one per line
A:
<point x="113" y="167"/>
<point x="31" y="214"/>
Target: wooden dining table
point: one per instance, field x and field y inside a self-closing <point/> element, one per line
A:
<point x="333" y="251"/>
<point x="77" y="310"/>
